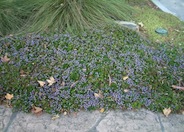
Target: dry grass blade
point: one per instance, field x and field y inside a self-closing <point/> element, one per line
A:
<point x="73" y="84"/>
<point x="177" y="87"/>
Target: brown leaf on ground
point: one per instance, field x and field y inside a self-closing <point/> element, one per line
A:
<point x="55" y="117"/>
<point x="125" y="78"/>
<point x="98" y="95"/>
<point x="9" y="96"/>
<point x="5" y="58"/>
<point x="102" y="110"/>
<point x="51" y="81"/>
<point x="141" y="24"/>
<point x="177" y="87"/>
<point x="65" y="113"/>
<point x="42" y="83"/>
<point x="110" y="80"/>
<point x="167" y="111"/>
<point x="126" y="90"/>
<point x="37" y="110"/>
<point x="22" y="73"/>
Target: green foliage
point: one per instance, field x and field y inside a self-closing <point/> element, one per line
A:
<point x="77" y="15"/>
<point x="153" y="18"/>
<point x="14" y="14"/>
<point x="85" y="64"/>
<point x="89" y="64"/>
<point x="9" y="21"/>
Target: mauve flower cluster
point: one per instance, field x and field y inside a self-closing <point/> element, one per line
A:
<point x="90" y="63"/>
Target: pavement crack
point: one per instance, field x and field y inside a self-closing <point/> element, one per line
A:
<point x="161" y="125"/>
<point x="93" y="128"/>
<point x="13" y="116"/>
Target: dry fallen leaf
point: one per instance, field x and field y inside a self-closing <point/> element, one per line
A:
<point x="141" y="24"/>
<point x="55" y="117"/>
<point x="37" y="110"/>
<point x="5" y="58"/>
<point x="167" y="111"/>
<point x="126" y="90"/>
<point x="65" y="113"/>
<point x="51" y="81"/>
<point x="125" y="78"/>
<point x="42" y="83"/>
<point x="102" y="110"/>
<point x="22" y="73"/>
<point x="110" y="80"/>
<point x="177" y="87"/>
<point x="9" y="96"/>
<point x="98" y="95"/>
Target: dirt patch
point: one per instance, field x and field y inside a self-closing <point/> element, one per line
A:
<point x="152" y="5"/>
<point x="143" y="3"/>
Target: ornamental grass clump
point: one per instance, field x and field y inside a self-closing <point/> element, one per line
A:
<point x="77" y="15"/>
<point x="9" y="21"/>
<point x="14" y="14"/>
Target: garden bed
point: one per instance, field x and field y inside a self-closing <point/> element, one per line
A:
<point x="107" y="68"/>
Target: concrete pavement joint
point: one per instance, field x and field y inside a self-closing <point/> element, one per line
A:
<point x="161" y="125"/>
<point x="2" y="111"/>
<point x="116" y="121"/>
<point x="93" y="128"/>
<point x="13" y="116"/>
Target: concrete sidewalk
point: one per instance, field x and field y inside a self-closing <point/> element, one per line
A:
<point x="111" y="121"/>
<point x="175" y="7"/>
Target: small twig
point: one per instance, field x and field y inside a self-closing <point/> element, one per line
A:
<point x="177" y="87"/>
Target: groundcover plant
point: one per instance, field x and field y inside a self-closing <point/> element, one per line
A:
<point x="107" y="68"/>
